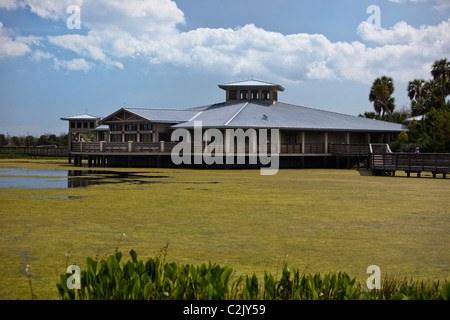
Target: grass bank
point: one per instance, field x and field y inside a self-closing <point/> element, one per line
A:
<point x="313" y="220"/>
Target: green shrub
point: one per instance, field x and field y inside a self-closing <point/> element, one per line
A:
<point x="157" y="280"/>
<point x="153" y="279"/>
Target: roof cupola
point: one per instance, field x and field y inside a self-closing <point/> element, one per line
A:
<point x="251" y="90"/>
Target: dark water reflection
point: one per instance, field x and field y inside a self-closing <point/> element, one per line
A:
<point x="39" y="178"/>
<point x="84" y="178"/>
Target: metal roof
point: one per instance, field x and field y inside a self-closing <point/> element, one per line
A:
<point x="283" y="116"/>
<point x="84" y="116"/>
<point x="101" y="128"/>
<point x="163" y="115"/>
<point x="251" y="83"/>
<point x="416" y="118"/>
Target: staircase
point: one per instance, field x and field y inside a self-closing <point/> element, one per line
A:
<point x="382" y="158"/>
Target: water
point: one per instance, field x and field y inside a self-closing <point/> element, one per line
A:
<point x="32" y="178"/>
<point x="40" y="178"/>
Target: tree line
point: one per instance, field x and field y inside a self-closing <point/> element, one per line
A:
<point x="428" y="100"/>
<point x="60" y="141"/>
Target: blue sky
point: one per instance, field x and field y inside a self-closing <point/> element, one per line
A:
<point x="173" y="54"/>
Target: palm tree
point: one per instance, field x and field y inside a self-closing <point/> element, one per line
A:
<point x="381" y="96"/>
<point x="441" y="72"/>
<point x="416" y="89"/>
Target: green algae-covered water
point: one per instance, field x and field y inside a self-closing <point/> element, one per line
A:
<point x="54" y="214"/>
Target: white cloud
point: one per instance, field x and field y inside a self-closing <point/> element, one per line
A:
<point x="403" y="52"/>
<point x="47" y="9"/>
<point x="95" y="45"/>
<point x="133" y="15"/>
<point x="38" y="55"/>
<point x="13" y="46"/>
<point x="147" y="29"/>
<point x="73" y="65"/>
<point x="117" y="29"/>
<point x="8" y="4"/>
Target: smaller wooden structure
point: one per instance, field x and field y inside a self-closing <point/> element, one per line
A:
<point x="386" y="162"/>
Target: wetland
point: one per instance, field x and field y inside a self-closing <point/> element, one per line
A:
<point x="318" y="220"/>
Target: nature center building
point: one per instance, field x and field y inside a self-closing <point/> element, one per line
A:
<point x="307" y="137"/>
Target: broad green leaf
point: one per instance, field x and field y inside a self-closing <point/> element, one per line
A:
<point x="148" y="289"/>
<point x="133" y="255"/>
<point x="446" y="291"/>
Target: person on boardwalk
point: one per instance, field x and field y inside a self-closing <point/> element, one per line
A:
<point x="417" y="156"/>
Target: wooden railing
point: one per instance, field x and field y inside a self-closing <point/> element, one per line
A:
<point x="166" y="147"/>
<point x="410" y="162"/>
<point x="291" y="148"/>
<point x="379" y="148"/>
<point x="350" y="150"/>
<point x="146" y="147"/>
<point x="46" y="151"/>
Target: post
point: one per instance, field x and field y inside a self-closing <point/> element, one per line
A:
<point x="303" y="141"/>
<point x="435" y="162"/>
<point x="409" y="164"/>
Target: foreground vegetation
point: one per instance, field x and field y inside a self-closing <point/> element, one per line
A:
<point x="157" y="280"/>
<point x="316" y="221"/>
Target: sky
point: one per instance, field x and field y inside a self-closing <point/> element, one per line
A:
<point x="68" y="57"/>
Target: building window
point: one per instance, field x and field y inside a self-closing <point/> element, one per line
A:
<point x="78" y="124"/>
<point x="116" y="127"/>
<point x="85" y="125"/>
<point x="131" y="127"/>
<point x="116" y="137"/>
<point x="131" y="137"/>
<point x="266" y="95"/>
<point x="91" y="125"/>
<point x="233" y="94"/>
<point x="72" y="125"/>
<point x="255" y="95"/>
<point x="290" y="138"/>
<point x="145" y="127"/>
<point x="164" y="137"/>
<point x="146" y="137"/>
<point x="244" y="95"/>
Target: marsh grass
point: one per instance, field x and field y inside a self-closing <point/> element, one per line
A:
<point x="315" y="220"/>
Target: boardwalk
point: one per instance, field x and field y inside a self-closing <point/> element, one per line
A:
<point x="389" y="163"/>
<point x="103" y="154"/>
<point x="44" y="151"/>
<point x="378" y="156"/>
